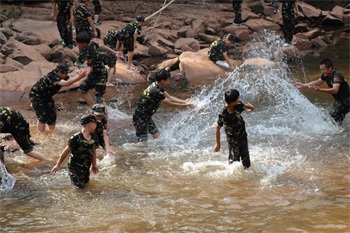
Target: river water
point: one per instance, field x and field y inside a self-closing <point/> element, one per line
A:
<point x="298" y="182"/>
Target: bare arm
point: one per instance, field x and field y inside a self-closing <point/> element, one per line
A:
<point x="217" y="138"/>
<point x="108" y="148"/>
<point x="62" y="157"/>
<point x="317" y="82"/>
<point x="174" y="99"/>
<point x="92" y="25"/>
<point x="227" y="59"/>
<point x="94" y="167"/>
<point x="249" y="107"/>
<point x="333" y="90"/>
<point x="70" y="81"/>
<point x="37" y="155"/>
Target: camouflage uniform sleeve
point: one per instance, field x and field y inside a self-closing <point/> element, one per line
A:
<point x="220" y="120"/>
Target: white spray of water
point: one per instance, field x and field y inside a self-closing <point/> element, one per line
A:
<point x="7" y="180"/>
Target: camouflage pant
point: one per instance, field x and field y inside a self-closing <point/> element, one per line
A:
<point x="97" y="7"/>
<point x="143" y="126"/>
<point x="79" y="174"/>
<point x="45" y="111"/>
<point x="128" y="44"/>
<point x="238" y="149"/>
<point x="108" y="58"/>
<point x="65" y="28"/>
<point x="339" y="110"/>
<point x="95" y="80"/>
<point x="22" y="136"/>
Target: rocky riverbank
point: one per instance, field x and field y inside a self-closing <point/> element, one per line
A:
<point x="179" y="36"/>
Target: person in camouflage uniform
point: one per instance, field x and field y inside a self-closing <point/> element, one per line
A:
<point x="111" y="39"/>
<point x="81" y="149"/>
<point x="338" y="87"/>
<point x="149" y="102"/>
<point x="237" y="9"/>
<point x="12" y="122"/>
<point x="82" y="19"/>
<point x="62" y="11"/>
<point x="235" y="130"/>
<point x="98" y="77"/>
<point x="129" y="36"/>
<point x="218" y="51"/>
<point x="42" y="92"/>
<point x="98" y="110"/>
<point x="288" y="15"/>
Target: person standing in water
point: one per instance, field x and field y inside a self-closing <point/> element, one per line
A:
<point x="149" y="102"/>
<point x="82" y="150"/>
<point x="337" y="87"/>
<point x="234" y="128"/>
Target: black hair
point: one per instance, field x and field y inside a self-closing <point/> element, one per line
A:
<point x="231" y="95"/>
<point x="83" y="37"/>
<point x="162" y="75"/>
<point x="327" y="62"/>
<point x="140" y="18"/>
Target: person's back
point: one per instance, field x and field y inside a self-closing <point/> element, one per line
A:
<point x="111" y="39"/>
<point x="150" y="100"/>
<point x="216" y="50"/>
<point x="46" y="87"/>
<point x="233" y="122"/>
<point x="81" y="14"/>
<point x="11" y="120"/>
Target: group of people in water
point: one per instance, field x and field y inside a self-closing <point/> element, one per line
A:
<point x="81" y="147"/>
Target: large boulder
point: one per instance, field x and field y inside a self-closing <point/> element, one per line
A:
<point x="197" y="66"/>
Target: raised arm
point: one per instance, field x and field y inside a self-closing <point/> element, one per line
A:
<point x="300" y="85"/>
<point x="70" y="81"/>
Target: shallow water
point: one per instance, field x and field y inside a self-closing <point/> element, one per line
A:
<point x="298" y="182"/>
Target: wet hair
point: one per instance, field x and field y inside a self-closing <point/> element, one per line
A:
<point x="83" y="37"/>
<point x="231" y="95"/>
<point x="162" y="75"/>
<point x="327" y="62"/>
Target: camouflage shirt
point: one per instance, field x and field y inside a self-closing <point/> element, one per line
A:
<point x="46" y="87"/>
<point x="82" y="150"/>
<point x="288" y="7"/>
<point x="216" y="50"/>
<point x="129" y="30"/>
<point x="150" y="100"/>
<point x="81" y="13"/>
<point x="12" y="121"/>
<point x="337" y="78"/>
<point x="111" y="38"/>
<point x="94" y="58"/>
<point x="234" y="123"/>
<point x="101" y="125"/>
<point x="64" y="6"/>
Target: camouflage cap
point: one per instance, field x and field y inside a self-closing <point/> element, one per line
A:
<point x="63" y="67"/>
<point x="86" y="119"/>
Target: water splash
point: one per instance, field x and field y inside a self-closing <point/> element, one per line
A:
<point x="7" y="180"/>
<point x="280" y="108"/>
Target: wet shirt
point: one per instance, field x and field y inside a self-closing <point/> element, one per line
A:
<point x="101" y="125"/>
<point x="111" y="38"/>
<point x="82" y="149"/>
<point x="216" y="50"/>
<point x="233" y="122"/>
<point x="150" y="100"/>
<point x="337" y="78"/>
<point x="130" y="29"/>
<point x="64" y="6"/>
<point x="81" y="13"/>
<point x="11" y="121"/>
<point x="94" y="58"/>
<point x="46" y="87"/>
